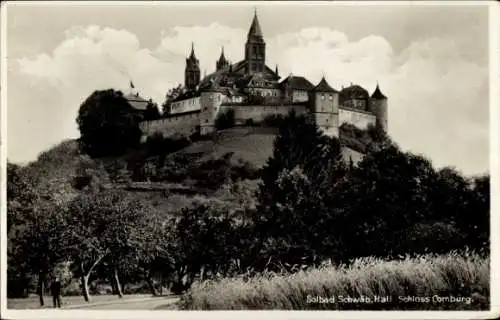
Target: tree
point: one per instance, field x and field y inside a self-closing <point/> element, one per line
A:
<point x="387" y="192"/>
<point x="477" y="221"/>
<point x="225" y="120"/>
<point x="108" y="124"/>
<point x="42" y="242"/>
<point x="294" y="195"/>
<point x="106" y="225"/>
<point x="152" y="112"/>
<point x="171" y="95"/>
<point x="21" y="194"/>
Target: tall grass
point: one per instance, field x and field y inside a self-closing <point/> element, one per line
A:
<point x="406" y="284"/>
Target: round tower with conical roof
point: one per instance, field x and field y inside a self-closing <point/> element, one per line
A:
<point x="378" y="106"/>
<point x="210" y="101"/>
<point x="324" y="105"/>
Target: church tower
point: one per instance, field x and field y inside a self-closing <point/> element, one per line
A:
<point x="222" y="63"/>
<point x="192" y="71"/>
<point x="255" y="48"/>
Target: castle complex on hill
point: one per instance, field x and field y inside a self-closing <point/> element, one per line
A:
<point x="253" y="91"/>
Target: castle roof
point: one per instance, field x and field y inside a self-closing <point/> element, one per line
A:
<point x="323" y="86"/>
<point x="354" y="92"/>
<point x="377" y="94"/>
<point x="211" y="86"/>
<point x="137" y="102"/>
<point x="255" y="30"/>
<point x="296" y="83"/>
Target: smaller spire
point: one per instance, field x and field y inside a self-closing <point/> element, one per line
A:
<point x="222" y="56"/>
<point x="377" y="94"/>
<point x="276" y="70"/>
<point x="192" y="56"/>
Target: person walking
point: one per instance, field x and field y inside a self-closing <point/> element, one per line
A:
<point x="55" y="289"/>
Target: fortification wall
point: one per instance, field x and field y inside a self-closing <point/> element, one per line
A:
<point x="259" y="113"/>
<point x="188" y="105"/>
<point x="357" y="118"/>
<point x="184" y="124"/>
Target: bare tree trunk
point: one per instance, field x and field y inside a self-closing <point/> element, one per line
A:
<point x="113" y="285"/>
<point x="202" y="272"/>
<point x="41" y="288"/>
<point x="161" y="284"/>
<point x="85" y="278"/>
<point x="85" y="287"/>
<point x="117" y="282"/>
<point x="151" y="285"/>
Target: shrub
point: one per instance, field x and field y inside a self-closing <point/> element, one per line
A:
<point x="273" y="121"/>
<point x="225" y="120"/>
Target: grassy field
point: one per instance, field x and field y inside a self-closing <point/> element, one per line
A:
<point x="252" y="144"/>
<point x="423" y="283"/>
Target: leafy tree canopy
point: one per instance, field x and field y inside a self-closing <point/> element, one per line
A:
<point x="108" y="124"/>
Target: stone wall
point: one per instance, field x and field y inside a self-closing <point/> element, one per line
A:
<point x="188" y="105"/>
<point x="259" y="113"/>
<point x="184" y="124"/>
<point x="360" y="119"/>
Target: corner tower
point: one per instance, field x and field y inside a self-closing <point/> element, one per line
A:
<point x="378" y="106"/>
<point x="324" y="104"/>
<point x="192" y="72"/>
<point x="255" y="48"/>
<point x="210" y="101"/>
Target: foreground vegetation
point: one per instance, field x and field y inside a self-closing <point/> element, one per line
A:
<point x="365" y="284"/>
<point x="152" y="216"/>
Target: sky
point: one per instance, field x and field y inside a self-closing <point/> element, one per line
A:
<point x="430" y="60"/>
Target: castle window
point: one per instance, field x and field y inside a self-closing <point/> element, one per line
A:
<point x="205" y="109"/>
<point x="206" y="121"/>
<point x="323" y="96"/>
<point x="330" y="97"/>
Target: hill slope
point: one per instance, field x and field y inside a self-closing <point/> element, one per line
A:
<point x="252" y="144"/>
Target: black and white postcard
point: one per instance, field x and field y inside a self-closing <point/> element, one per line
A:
<point x="286" y="157"/>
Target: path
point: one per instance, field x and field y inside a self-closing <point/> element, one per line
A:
<point x="146" y="303"/>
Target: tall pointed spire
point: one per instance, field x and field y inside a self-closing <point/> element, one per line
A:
<point x="192" y="55"/>
<point x="222" y="56"/>
<point x="255" y="30"/>
<point x="276" y="70"/>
